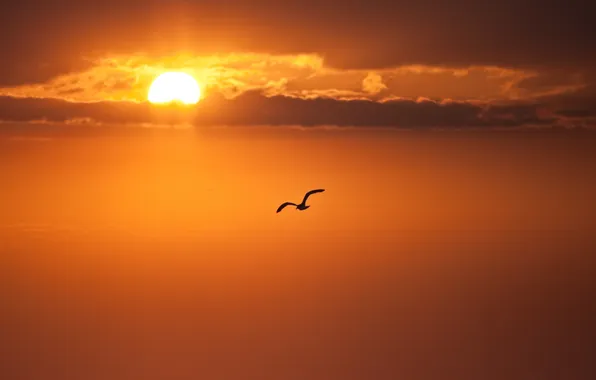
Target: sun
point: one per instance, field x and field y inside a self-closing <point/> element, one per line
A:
<point x="174" y="86"/>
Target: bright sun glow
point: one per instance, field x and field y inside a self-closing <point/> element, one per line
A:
<point x="174" y="86"/>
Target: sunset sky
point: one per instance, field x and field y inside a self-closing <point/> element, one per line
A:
<point x="455" y="238"/>
<point x="418" y="64"/>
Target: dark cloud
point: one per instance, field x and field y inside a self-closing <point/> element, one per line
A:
<point x="252" y="108"/>
<point x="44" y="38"/>
<point x="575" y="104"/>
<point x="549" y="80"/>
<point x="578" y="113"/>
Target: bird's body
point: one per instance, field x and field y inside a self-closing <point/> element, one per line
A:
<point x="302" y="206"/>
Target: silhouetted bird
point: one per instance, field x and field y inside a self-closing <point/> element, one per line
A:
<point x="302" y="206"/>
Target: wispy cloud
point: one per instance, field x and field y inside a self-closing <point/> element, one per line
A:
<point x="127" y="78"/>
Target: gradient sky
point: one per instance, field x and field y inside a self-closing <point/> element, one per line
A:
<point x="455" y="238"/>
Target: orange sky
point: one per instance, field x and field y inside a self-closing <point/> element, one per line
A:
<point x="454" y="240"/>
<point x="160" y="255"/>
<point x="236" y="178"/>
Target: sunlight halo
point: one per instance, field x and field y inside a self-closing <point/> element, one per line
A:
<point x="174" y="86"/>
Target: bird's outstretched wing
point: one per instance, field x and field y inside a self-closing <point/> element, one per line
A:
<point x="310" y="193"/>
<point x="284" y="205"/>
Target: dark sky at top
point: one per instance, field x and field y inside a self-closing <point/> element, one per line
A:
<point x="42" y="37"/>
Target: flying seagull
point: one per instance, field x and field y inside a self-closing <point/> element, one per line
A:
<point x="302" y="206"/>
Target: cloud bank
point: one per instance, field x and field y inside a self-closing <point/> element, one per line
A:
<point x="255" y="108"/>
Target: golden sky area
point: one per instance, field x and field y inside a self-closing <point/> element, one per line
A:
<point x="160" y="252"/>
<point x="139" y="237"/>
<point x="235" y="179"/>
